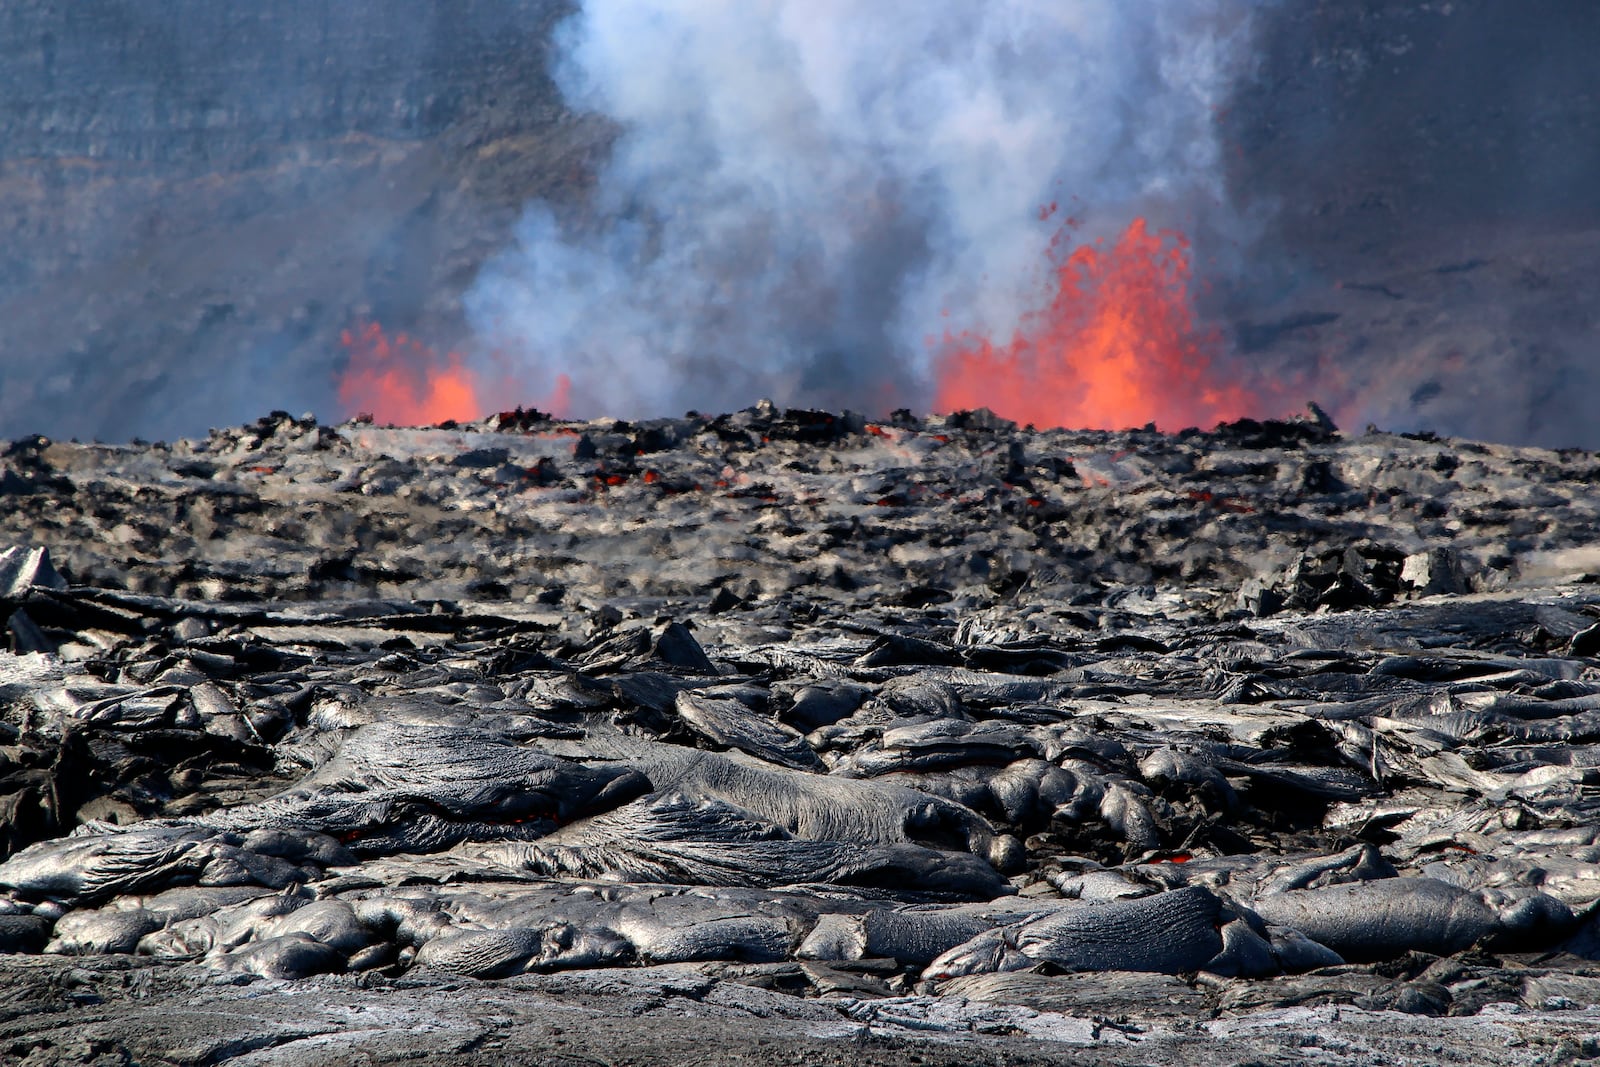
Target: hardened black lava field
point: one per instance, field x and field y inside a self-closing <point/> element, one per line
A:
<point x="801" y="736"/>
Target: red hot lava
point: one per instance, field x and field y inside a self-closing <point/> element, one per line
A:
<point x="402" y="381"/>
<point x="1117" y="346"/>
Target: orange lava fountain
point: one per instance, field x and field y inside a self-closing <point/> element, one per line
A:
<point x="1118" y="346"/>
<point x="402" y="381"/>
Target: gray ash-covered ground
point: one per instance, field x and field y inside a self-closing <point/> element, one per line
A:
<point x="795" y="734"/>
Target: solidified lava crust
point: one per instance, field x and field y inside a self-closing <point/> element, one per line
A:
<point x="792" y="726"/>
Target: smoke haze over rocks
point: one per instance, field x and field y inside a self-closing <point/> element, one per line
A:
<point x="1393" y="206"/>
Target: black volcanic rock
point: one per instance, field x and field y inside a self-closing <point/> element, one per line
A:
<point x="299" y="700"/>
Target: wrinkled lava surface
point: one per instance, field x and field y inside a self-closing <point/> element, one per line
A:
<point x="915" y="737"/>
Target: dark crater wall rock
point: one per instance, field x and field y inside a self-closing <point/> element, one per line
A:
<point x="1425" y="183"/>
<point x="183" y="82"/>
<point x="198" y="197"/>
<point x="1431" y="114"/>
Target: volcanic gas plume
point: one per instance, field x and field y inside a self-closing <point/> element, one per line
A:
<point x="802" y="192"/>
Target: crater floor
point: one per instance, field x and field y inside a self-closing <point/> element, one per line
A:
<point x="798" y="735"/>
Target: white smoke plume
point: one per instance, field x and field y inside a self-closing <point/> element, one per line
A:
<point x="805" y="191"/>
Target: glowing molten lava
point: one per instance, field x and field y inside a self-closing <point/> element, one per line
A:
<point x="1117" y="346"/>
<point x="403" y="381"/>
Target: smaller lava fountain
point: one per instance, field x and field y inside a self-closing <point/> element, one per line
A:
<point x="401" y="380"/>
<point x="1117" y="346"/>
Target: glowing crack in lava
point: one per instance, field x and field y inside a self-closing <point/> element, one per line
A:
<point x="1117" y="346"/>
<point x="399" y="380"/>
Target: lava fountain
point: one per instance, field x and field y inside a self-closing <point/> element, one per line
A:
<point x="402" y="381"/>
<point x="1118" y="345"/>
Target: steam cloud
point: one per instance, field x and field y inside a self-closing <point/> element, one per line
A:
<point x="804" y="191"/>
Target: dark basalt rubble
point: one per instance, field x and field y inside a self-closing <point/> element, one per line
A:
<point x="918" y="723"/>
